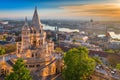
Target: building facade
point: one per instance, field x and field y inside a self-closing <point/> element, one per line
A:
<point x="36" y="51"/>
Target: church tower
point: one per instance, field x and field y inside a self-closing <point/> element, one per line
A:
<point x="38" y="35"/>
<point x="34" y="37"/>
<point x="25" y="36"/>
<point x="35" y="49"/>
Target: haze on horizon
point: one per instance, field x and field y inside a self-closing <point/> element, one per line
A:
<point x="61" y="9"/>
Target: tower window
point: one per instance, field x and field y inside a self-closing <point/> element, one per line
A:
<point x="34" y="32"/>
<point x="32" y="55"/>
<point x="30" y="31"/>
<point x="37" y="65"/>
<point x="34" y="43"/>
<point x="39" y="42"/>
<point x="39" y="31"/>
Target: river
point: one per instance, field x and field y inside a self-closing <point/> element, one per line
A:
<point x="47" y="27"/>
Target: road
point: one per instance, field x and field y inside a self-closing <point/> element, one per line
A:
<point x="8" y="56"/>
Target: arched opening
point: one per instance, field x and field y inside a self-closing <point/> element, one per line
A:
<point x="34" y="32"/>
<point x="32" y="55"/>
<point x="56" y="71"/>
<point x="18" y="51"/>
<point x="37" y="65"/>
<point x="39" y="31"/>
<point x="34" y="43"/>
<point x="39" y="42"/>
<point x="36" y="54"/>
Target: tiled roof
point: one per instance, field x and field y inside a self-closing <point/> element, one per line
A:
<point x="99" y="53"/>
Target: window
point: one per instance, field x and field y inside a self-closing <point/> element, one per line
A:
<point x="39" y="31"/>
<point x="25" y="65"/>
<point x="39" y="42"/>
<point x="37" y="65"/>
<point x="34" y="32"/>
<point x="31" y="66"/>
<point x="32" y="55"/>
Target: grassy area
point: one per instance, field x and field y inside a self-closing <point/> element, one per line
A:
<point x="9" y="48"/>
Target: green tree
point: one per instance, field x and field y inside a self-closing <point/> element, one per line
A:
<point x="2" y="51"/>
<point x="118" y="66"/>
<point x="19" y="72"/>
<point x="78" y="65"/>
<point x="97" y="60"/>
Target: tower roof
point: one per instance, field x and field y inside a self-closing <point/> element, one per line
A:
<point x="35" y="19"/>
<point x="26" y="22"/>
<point x="26" y="26"/>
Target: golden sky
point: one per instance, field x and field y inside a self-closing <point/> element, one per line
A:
<point x="82" y="9"/>
<point x="111" y="10"/>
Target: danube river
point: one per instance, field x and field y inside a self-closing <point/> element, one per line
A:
<point x="47" y="27"/>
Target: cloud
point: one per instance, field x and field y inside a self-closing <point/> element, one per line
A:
<point x="111" y="10"/>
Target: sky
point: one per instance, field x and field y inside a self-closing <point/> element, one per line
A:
<point x="61" y="9"/>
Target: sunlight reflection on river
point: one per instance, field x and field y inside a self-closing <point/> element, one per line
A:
<point x="47" y="27"/>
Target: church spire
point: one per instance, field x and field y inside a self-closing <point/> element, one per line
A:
<point x="35" y="19"/>
<point x="26" y="22"/>
<point x="26" y="26"/>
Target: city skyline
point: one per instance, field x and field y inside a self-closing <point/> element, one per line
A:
<point x="61" y="9"/>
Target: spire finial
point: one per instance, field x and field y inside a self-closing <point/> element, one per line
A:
<point x="35" y="7"/>
<point x="26" y="21"/>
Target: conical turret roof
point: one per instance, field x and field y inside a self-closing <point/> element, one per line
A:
<point x="35" y="20"/>
<point x="26" y="22"/>
<point x="26" y="26"/>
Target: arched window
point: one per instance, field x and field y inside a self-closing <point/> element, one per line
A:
<point x="39" y="42"/>
<point x="18" y="51"/>
<point x="39" y="31"/>
<point x="32" y="55"/>
<point x="37" y="65"/>
<point x="34" y="31"/>
<point x="25" y="65"/>
<point x="56" y="70"/>
<point x="34" y="43"/>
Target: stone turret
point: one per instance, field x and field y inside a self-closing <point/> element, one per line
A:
<point x="38" y="37"/>
<point x="35" y="50"/>
<point x="25" y="36"/>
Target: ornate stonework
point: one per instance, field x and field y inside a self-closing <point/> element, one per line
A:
<point x="5" y="68"/>
<point x="36" y="51"/>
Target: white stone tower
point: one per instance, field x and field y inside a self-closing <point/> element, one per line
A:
<point x="38" y="35"/>
<point x="25" y="36"/>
